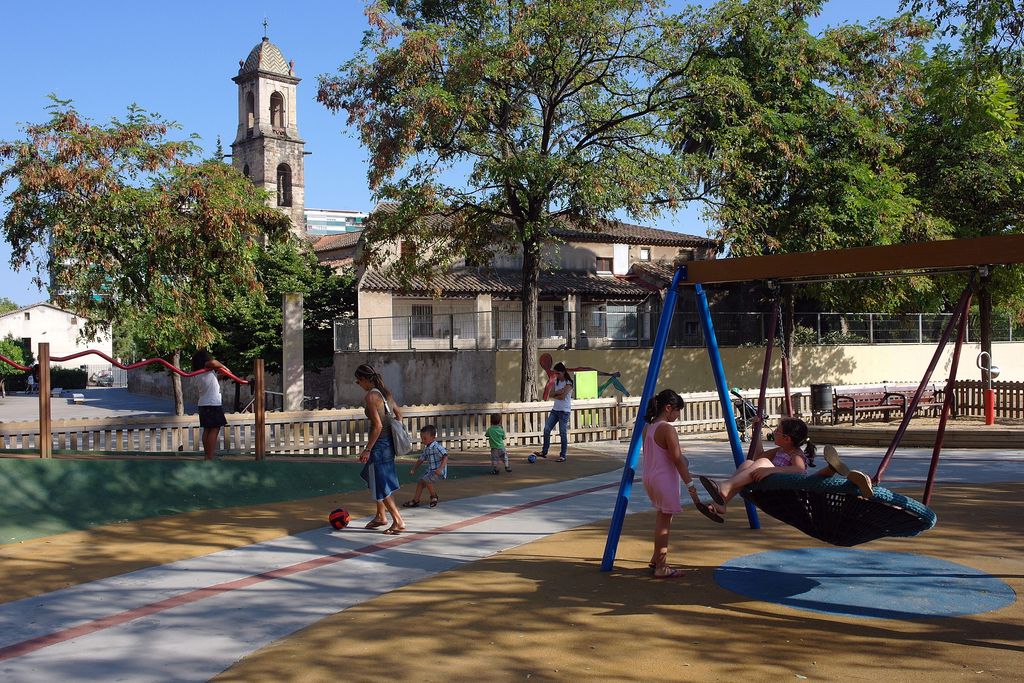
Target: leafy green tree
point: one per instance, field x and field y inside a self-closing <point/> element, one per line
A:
<point x="508" y="117"/>
<point x="965" y="149"/>
<point x="6" y="305"/>
<point x="804" y="152"/>
<point x="12" y="349"/>
<point x="252" y="324"/>
<point x="128" y="230"/>
<point x="992" y="30"/>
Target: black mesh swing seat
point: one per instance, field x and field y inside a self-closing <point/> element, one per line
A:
<point x="831" y="509"/>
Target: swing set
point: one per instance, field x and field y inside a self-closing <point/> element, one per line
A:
<point x="45" y="424"/>
<point x="829" y="509"/>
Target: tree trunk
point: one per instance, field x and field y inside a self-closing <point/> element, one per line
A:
<point x="530" y="299"/>
<point x="985" y="319"/>
<point x="788" y="320"/>
<point x="179" y="397"/>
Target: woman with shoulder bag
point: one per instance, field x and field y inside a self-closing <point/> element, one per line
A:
<point x="380" y="473"/>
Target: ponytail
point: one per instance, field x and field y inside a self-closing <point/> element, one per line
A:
<point x="664" y="398"/>
<point x="796" y="429"/>
<point x="367" y="372"/>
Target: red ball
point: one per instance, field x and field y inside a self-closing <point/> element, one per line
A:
<point x="339" y="519"/>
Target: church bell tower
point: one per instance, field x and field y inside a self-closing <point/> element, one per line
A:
<point x="267" y="147"/>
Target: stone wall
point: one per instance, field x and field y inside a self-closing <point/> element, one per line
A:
<point x="420" y="377"/>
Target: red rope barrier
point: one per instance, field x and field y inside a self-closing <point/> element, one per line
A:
<point x="150" y="361"/>
<point x="23" y="368"/>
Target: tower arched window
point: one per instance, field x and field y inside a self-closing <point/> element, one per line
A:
<point x="277" y="110"/>
<point x="245" y="171"/>
<point x="284" y="185"/>
<point x="250" y="110"/>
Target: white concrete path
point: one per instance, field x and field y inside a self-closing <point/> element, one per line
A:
<point x="189" y="620"/>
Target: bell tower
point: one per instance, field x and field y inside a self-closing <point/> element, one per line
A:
<point x="267" y="147"/>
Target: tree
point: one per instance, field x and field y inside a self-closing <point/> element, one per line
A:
<point x="252" y="325"/>
<point x="803" y="148"/>
<point x="508" y="117"/>
<point x="128" y="230"/>
<point x="992" y="30"/>
<point x="12" y="349"/>
<point x="965" y="149"/>
<point x="6" y="305"/>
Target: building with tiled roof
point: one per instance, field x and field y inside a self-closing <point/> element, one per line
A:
<point x="597" y="288"/>
<point x="336" y="251"/>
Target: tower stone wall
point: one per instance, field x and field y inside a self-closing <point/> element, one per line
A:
<point x="267" y="146"/>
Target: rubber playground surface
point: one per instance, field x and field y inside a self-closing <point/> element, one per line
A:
<point x="501" y="582"/>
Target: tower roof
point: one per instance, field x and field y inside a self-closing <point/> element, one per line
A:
<point x="266" y="57"/>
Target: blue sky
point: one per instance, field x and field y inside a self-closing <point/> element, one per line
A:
<point x="177" y="59"/>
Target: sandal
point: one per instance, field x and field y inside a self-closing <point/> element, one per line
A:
<point x="393" y="531"/>
<point x="712" y="488"/>
<point x="375" y="523"/>
<point x="710" y="513"/>
<point x="674" y="574"/>
<point x="433" y="501"/>
<point x="411" y="504"/>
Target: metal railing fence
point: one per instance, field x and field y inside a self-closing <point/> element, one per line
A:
<point x="611" y="326"/>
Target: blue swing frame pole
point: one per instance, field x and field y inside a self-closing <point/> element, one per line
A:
<point x="711" y="342"/>
<point x="633" y="454"/>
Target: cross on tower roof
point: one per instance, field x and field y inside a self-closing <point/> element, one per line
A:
<point x="265" y="27"/>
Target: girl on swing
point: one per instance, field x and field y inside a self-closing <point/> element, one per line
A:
<point x="786" y="458"/>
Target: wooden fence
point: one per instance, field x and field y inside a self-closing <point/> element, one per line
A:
<point x="1009" y="398"/>
<point x="344" y="432"/>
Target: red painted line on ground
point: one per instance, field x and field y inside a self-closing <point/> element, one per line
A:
<point x="38" y="643"/>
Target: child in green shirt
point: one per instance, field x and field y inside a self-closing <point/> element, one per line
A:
<point x="496" y="438"/>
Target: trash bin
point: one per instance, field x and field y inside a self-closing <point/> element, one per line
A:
<point x="821" y="401"/>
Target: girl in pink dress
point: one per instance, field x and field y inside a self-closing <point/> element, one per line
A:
<point x="664" y="466"/>
<point x="786" y="458"/>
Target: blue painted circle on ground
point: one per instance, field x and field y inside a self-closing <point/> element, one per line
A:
<point x="864" y="583"/>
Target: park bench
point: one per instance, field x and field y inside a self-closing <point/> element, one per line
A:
<point x="886" y="400"/>
<point x="867" y="400"/>
<point x="77" y="398"/>
<point x="931" y="398"/>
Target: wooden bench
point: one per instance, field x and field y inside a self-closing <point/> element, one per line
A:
<point x="932" y="397"/>
<point x="873" y="400"/>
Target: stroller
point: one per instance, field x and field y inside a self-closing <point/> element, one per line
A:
<point x="746" y="413"/>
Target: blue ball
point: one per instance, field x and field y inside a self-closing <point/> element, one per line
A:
<point x="532" y="458"/>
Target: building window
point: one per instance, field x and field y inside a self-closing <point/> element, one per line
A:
<point x="28" y="316"/>
<point x="284" y="185"/>
<point x="422" y="320"/>
<point x="277" y="111"/>
<point x="645" y="253"/>
<point x="407" y="250"/>
<point x="250" y="111"/>
<point x="245" y="170"/>
<point x="604" y="264"/>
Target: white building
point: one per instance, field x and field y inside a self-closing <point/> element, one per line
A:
<point x="333" y="221"/>
<point x="44" y="322"/>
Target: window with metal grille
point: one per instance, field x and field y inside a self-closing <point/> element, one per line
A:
<point x="422" y="320"/>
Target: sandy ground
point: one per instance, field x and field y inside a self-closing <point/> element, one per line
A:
<point x="544" y="611"/>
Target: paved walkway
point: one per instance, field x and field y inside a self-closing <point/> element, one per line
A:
<point x="191" y="619"/>
<point x="99" y="402"/>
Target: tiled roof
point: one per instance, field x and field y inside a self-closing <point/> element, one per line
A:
<point x="627" y="233"/>
<point x="266" y="57"/>
<point x="609" y="231"/>
<point x="472" y="281"/>
<point x="344" y="240"/>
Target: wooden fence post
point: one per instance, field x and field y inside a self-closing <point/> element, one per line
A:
<point x="259" y="409"/>
<point x="45" y="425"/>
